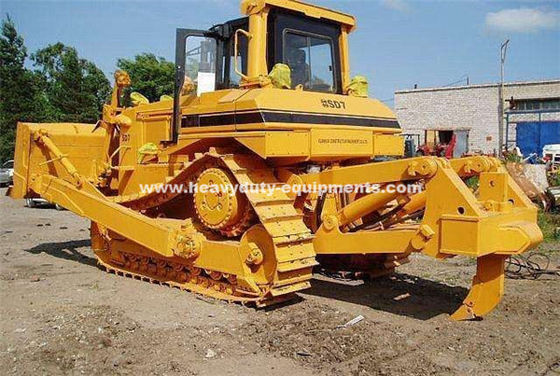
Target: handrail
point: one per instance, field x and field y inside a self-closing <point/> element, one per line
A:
<point x="235" y="51"/>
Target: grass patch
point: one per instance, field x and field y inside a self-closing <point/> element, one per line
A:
<point x="472" y="182"/>
<point x="548" y="222"/>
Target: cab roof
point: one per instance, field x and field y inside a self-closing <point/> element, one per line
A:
<point x="253" y="6"/>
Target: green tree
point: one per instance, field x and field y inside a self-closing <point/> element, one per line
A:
<point x="151" y="76"/>
<point x="20" y="89"/>
<point x="75" y="88"/>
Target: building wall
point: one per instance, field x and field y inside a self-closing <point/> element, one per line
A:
<point x="473" y="107"/>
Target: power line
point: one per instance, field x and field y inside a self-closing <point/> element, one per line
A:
<point x="463" y="78"/>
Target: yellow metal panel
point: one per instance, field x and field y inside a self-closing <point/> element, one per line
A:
<point x="75" y="141"/>
<point x="232" y="96"/>
<point x="388" y="145"/>
<point x="21" y="161"/>
<point x="311" y="102"/>
<point x="145" y="174"/>
<point x="221" y="256"/>
<point x="221" y="101"/>
<point x="460" y="236"/>
<point x="275" y="144"/>
<point x="156" y="128"/>
<point x="493" y="186"/>
<point x="287" y="144"/>
<point x="255" y="141"/>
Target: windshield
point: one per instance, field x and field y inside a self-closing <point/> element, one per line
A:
<point x="310" y="59"/>
<point x="9" y="164"/>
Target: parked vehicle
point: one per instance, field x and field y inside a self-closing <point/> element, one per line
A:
<point x="34" y="202"/>
<point x="552" y="153"/>
<point x="7" y="173"/>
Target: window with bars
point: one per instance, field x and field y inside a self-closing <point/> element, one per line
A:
<point x="536" y="104"/>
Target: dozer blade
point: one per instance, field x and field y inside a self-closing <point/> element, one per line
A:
<point x="487" y="288"/>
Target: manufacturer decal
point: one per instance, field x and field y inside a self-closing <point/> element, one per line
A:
<point x="329" y="103"/>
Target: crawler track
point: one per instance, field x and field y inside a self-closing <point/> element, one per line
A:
<point x="289" y="240"/>
<point x="163" y="272"/>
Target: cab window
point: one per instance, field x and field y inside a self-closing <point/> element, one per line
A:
<point x="311" y="47"/>
<point x="311" y="61"/>
<point x="200" y="63"/>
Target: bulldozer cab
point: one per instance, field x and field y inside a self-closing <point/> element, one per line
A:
<point x="309" y="47"/>
<point x="310" y="40"/>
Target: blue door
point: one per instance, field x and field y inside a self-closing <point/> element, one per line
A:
<point x="533" y="135"/>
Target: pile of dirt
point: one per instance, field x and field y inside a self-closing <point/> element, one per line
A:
<point x="315" y="335"/>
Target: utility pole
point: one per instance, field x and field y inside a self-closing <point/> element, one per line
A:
<point x="503" y="51"/>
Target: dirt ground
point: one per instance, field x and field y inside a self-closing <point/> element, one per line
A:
<point x="60" y="314"/>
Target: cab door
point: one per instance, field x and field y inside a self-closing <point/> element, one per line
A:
<point x="196" y="59"/>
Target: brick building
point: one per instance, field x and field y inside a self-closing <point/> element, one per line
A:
<point x="472" y="111"/>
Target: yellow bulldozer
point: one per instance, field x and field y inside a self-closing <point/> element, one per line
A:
<point x="262" y="103"/>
